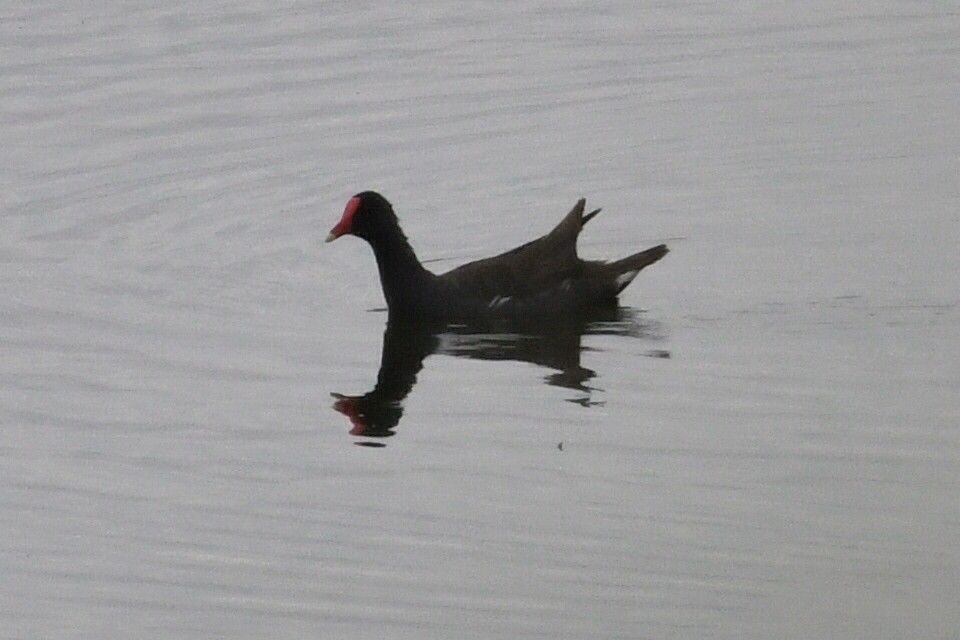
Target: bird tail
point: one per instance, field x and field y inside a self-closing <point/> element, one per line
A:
<point x="626" y="269"/>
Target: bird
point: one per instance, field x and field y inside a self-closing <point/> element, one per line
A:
<point x="541" y="279"/>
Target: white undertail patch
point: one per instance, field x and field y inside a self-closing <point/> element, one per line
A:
<point x="626" y="278"/>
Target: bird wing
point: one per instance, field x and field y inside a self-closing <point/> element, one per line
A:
<point x="534" y="267"/>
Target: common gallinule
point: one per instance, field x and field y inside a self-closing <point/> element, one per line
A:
<point x="543" y="278"/>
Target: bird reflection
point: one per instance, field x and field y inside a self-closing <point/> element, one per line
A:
<point x="553" y="345"/>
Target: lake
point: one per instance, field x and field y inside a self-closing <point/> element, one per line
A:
<point x="199" y="439"/>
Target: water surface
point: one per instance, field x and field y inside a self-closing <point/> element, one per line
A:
<point x="764" y="445"/>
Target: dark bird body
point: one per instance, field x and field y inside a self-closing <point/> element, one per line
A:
<point x="544" y="278"/>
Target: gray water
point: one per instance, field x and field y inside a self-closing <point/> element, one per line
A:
<point x="766" y="443"/>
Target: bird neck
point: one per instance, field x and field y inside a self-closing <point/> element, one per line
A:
<point x="403" y="278"/>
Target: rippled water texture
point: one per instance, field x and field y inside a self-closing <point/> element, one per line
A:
<point x="763" y="442"/>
